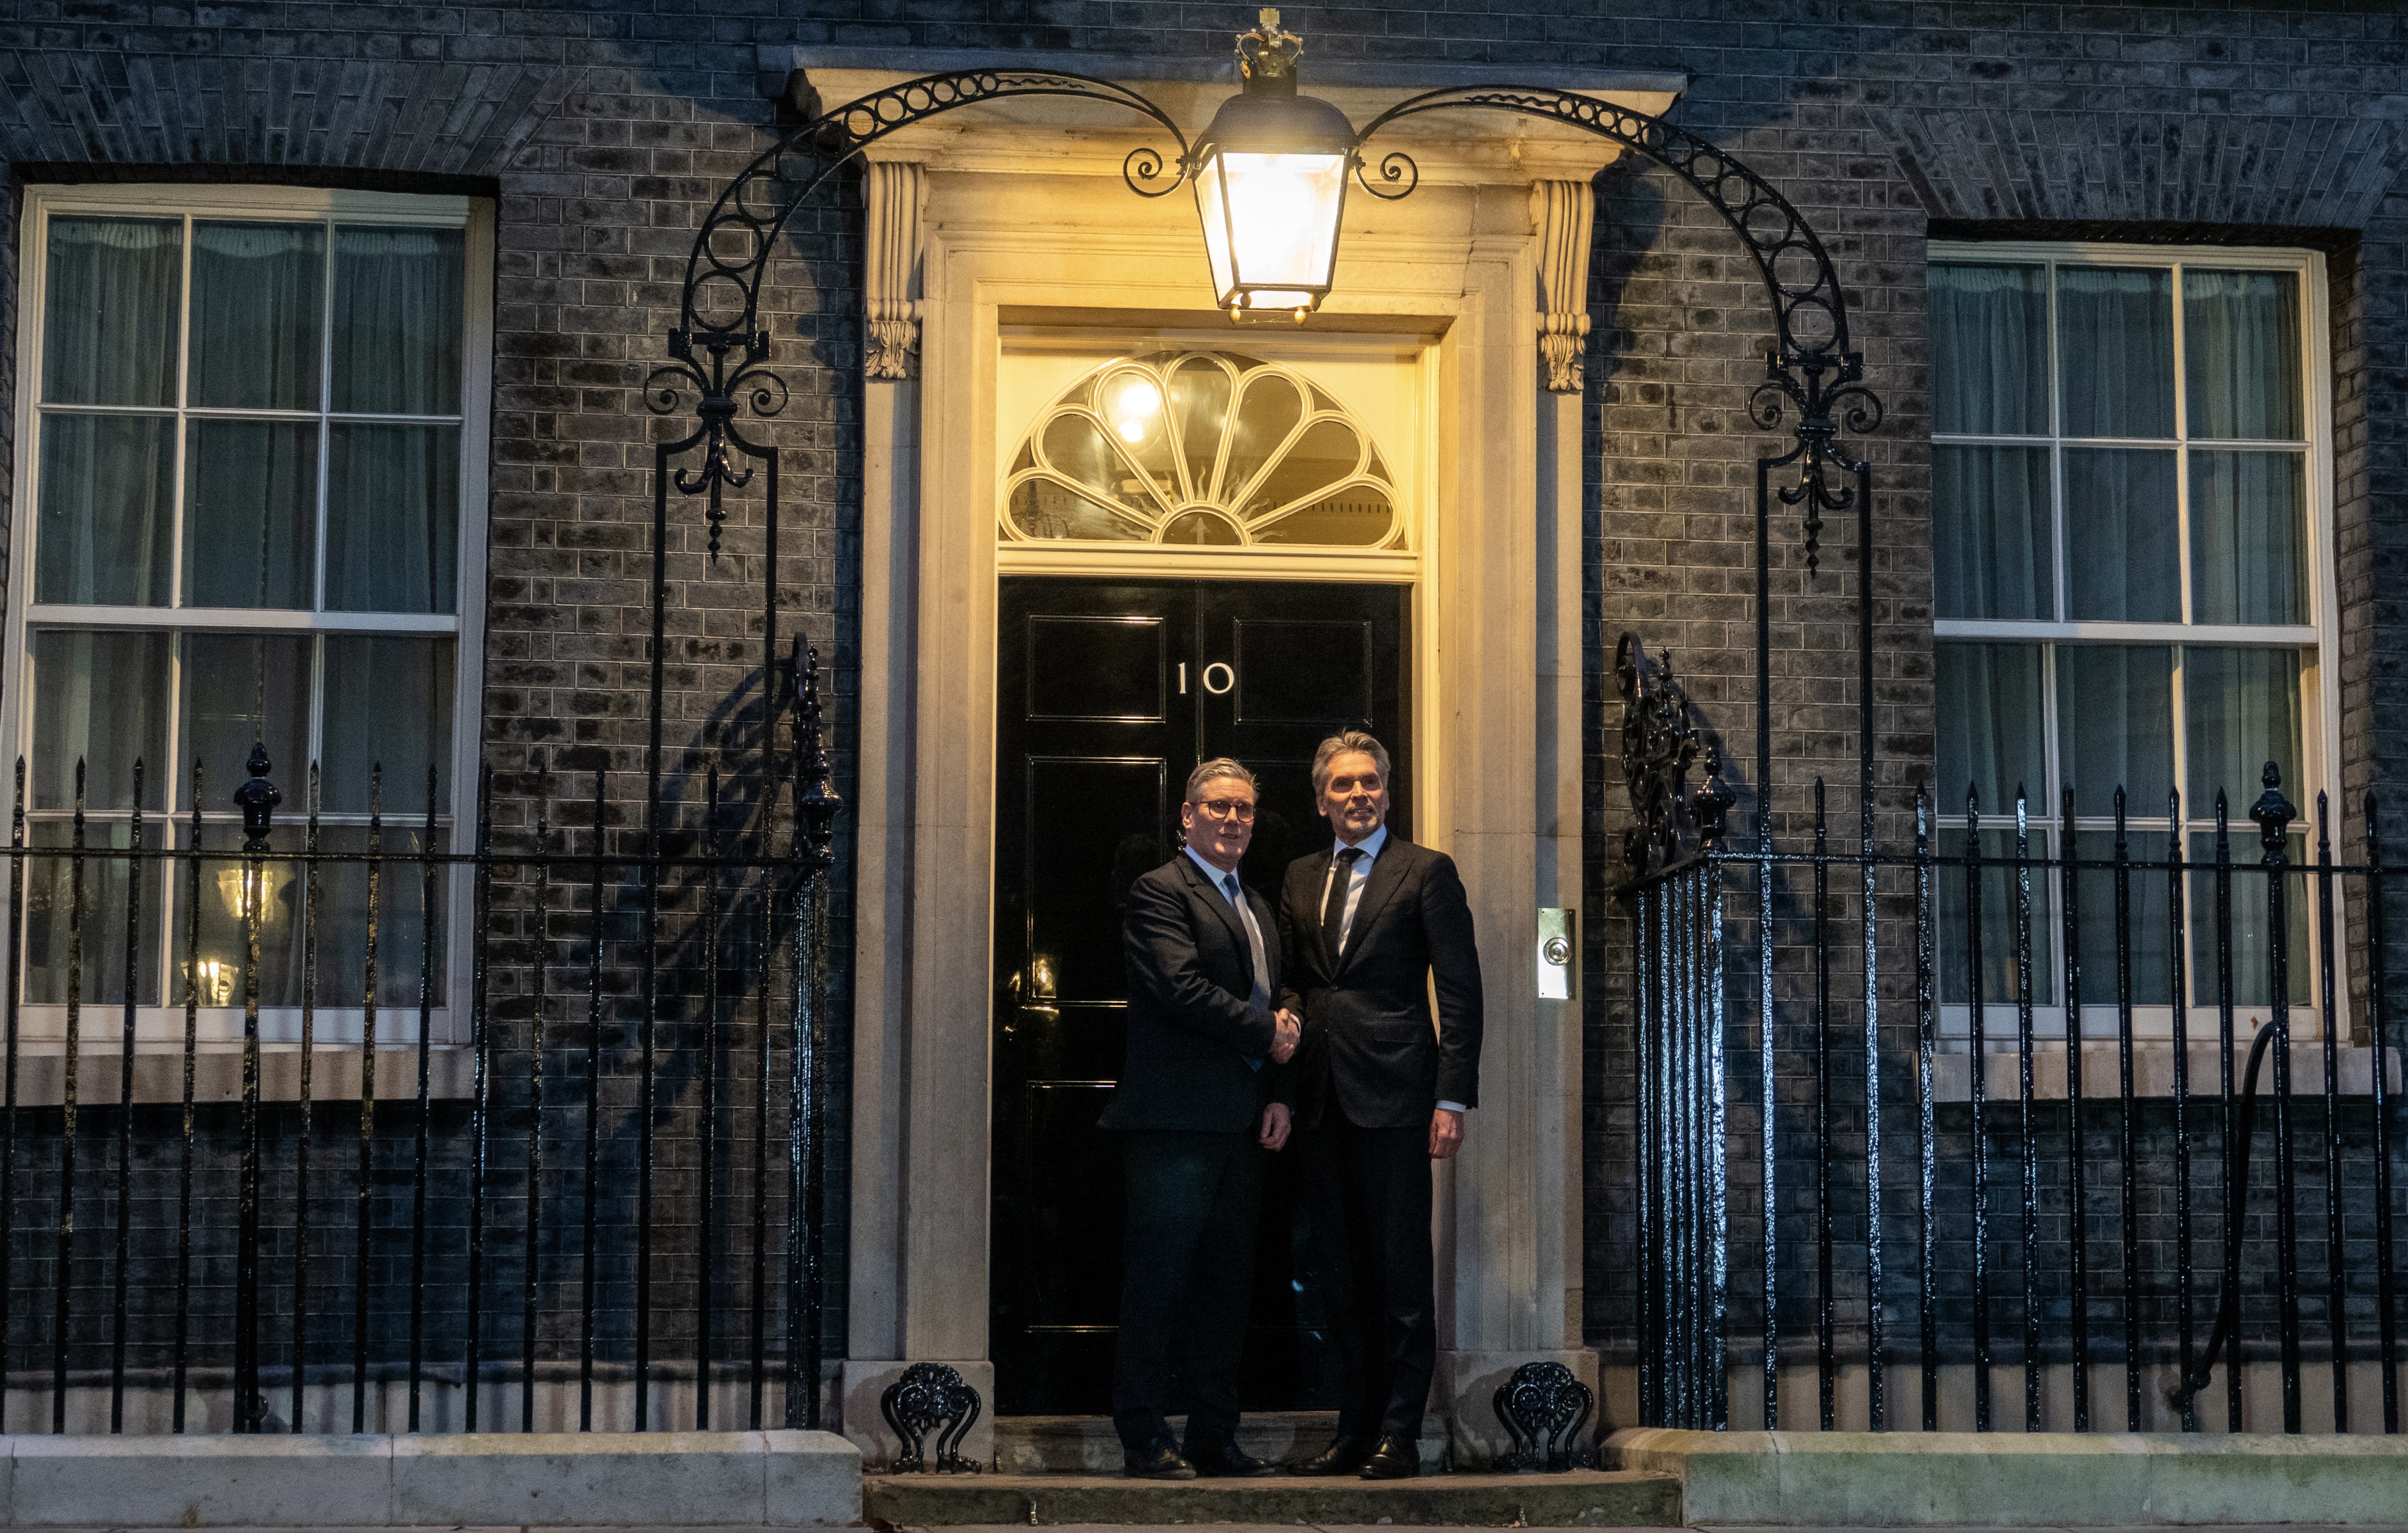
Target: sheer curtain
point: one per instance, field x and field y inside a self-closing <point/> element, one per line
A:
<point x="393" y="519"/>
<point x="2115" y="727"/>
<point x="2248" y="553"/>
<point x="105" y="529"/>
<point x="2241" y="354"/>
<point x="2123" y="553"/>
<point x="258" y="292"/>
<point x="2115" y="342"/>
<point x="1992" y="539"/>
<point x="1989" y="349"/>
<point x="250" y="514"/>
<point x="1989" y="718"/>
<point x="109" y="315"/>
<point x="397" y="320"/>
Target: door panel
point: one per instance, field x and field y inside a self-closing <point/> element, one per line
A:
<point x="1108" y="692"/>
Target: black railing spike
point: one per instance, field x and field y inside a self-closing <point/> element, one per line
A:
<point x="257" y="797"/>
<point x="2273" y="812"/>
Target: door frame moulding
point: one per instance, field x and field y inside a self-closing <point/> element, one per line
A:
<point x="1484" y="562"/>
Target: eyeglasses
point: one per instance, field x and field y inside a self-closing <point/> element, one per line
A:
<point x="1240" y="809"/>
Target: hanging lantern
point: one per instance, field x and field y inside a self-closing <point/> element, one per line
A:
<point x="1271" y="182"/>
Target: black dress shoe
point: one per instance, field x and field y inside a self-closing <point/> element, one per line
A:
<point x="1156" y="1460"/>
<point x="1343" y="1456"/>
<point x="1226" y="1462"/>
<point x="1393" y="1459"/>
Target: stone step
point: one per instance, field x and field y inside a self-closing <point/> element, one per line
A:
<point x="1581" y="1499"/>
<point x="1087" y="1445"/>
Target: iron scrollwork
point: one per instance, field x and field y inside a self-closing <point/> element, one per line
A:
<point x="1812" y="369"/>
<point x="1660" y="742"/>
<point x="720" y="351"/>
<point x="930" y="1397"/>
<point x="1542" y="1409"/>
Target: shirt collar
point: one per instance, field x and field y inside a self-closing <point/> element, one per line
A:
<point x="1370" y="846"/>
<point x="1213" y="873"/>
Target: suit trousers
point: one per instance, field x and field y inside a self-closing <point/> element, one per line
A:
<point x="1187" y="1280"/>
<point x="1368" y="1192"/>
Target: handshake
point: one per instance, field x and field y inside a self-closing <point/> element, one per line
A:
<point x="1286" y="1032"/>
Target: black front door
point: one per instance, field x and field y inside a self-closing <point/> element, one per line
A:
<point x="1108" y="693"/>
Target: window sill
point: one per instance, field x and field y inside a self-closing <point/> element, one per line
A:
<point x="217" y="1074"/>
<point x="2152" y="1069"/>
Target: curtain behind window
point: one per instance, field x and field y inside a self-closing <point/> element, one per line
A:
<point x="109" y="321"/>
<point x="1989" y="350"/>
<point x="397" y="320"/>
<point x="2241" y="354"/>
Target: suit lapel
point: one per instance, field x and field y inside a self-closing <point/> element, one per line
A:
<point x="1204" y="889"/>
<point x="1387" y="872"/>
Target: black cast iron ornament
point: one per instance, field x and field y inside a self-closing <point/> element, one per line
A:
<point x="1542" y="1409"/>
<point x="721" y="351"/>
<point x="1660" y="741"/>
<point x="930" y="1397"/>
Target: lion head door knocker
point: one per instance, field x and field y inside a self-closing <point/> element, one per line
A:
<point x="928" y="1396"/>
<point x="1543" y="1408"/>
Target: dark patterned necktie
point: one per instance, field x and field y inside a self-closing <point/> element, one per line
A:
<point x="1333" y="907"/>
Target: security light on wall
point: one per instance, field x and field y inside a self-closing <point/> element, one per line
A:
<point x="1271" y="182"/>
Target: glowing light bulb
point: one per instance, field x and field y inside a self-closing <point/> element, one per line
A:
<point x="1137" y="404"/>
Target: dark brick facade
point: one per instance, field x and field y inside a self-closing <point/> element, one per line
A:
<point x="601" y="130"/>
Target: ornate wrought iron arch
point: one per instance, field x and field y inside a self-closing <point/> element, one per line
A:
<point x="721" y="350"/>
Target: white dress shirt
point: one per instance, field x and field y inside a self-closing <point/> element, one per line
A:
<point x="1360" y="874"/>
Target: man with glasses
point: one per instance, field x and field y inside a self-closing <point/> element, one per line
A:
<point x="1202" y="1100"/>
<point x="1373" y="927"/>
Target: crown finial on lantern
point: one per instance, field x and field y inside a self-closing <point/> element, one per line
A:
<point x="1267" y="53"/>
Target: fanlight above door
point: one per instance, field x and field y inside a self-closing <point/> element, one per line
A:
<point x="1200" y="448"/>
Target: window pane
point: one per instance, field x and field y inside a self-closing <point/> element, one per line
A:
<point x="258" y="292"/>
<point x="1989" y="726"/>
<point x="2241" y="354"/>
<point x="393" y="519"/>
<point x="2116" y="726"/>
<point x="2252" y="953"/>
<point x="401" y="922"/>
<point x="250" y="514"/>
<point x="2001" y="924"/>
<point x="100" y="699"/>
<point x="398" y="319"/>
<point x="2248" y="553"/>
<point x="389" y="704"/>
<point x="1989" y="350"/>
<point x="50" y="917"/>
<point x="341" y="921"/>
<point x="105" y="532"/>
<point x="241" y="689"/>
<point x="2242" y="710"/>
<point x="2146" y="917"/>
<point x="2122" y="551"/>
<point x="2115" y="334"/>
<point x="1991" y="538"/>
<point x="110" y="309"/>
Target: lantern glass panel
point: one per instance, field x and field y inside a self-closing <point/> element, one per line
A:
<point x="1271" y="225"/>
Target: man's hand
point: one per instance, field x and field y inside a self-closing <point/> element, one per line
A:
<point x="1286" y="1034"/>
<point x="1274" y="1134"/>
<point x="1446" y="1133"/>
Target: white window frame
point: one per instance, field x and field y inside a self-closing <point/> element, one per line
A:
<point x="160" y="1028"/>
<point x="2318" y="640"/>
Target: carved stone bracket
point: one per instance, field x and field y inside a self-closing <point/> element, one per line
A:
<point x="1565" y="215"/>
<point x="895" y="192"/>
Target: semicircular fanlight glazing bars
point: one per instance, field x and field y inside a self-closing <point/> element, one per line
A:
<point x="1200" y="448"/>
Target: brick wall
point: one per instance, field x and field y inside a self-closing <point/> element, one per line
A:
<point x="601" y="129"/>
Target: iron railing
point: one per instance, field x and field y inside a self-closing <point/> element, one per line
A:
<point x="1974" y="1232"/>
<point x="631" y="991"/>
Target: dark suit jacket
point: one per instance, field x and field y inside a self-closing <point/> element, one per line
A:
<point x="1191" y="1031"/>
<point x="1368" y="1036"/>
